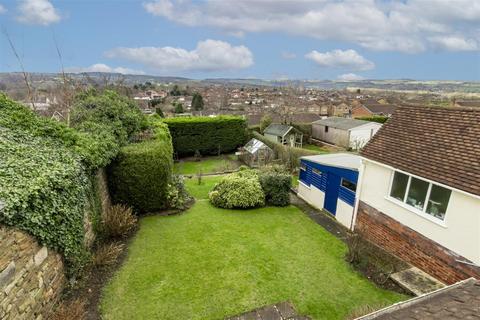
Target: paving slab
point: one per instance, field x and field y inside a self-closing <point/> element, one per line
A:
<point x="416" y="281"/>
<point x="278" y="311"/>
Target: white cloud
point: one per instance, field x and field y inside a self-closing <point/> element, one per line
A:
<point x="350" y="77"/>
<point x="454" y="43"/>
<point x="345" y="59"/>
<point x="402" y="26"/>
<point x="37" y="12"/>
<point x="2" y="9"/>
<point x="100" y="67"/>
<point x="209" y="55"/>
<point x="288" y="55"/>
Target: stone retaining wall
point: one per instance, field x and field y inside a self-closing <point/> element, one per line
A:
<point x="31" y="276"/>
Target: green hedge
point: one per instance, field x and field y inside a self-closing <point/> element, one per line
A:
<point x="140" y="174"/>
<point x="379" y="119"/>
<point x="208" y="135"/>
<point x="290" y="157"/>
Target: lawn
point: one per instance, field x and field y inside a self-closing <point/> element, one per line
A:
<point x="209" y="263"/>
<point x="318" y="149"/>
<point x="206" y="165"/>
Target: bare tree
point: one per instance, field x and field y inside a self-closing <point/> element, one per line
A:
<point x="25" y="75"/>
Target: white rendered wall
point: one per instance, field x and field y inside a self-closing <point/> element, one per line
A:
<point x="459" y="232"/>
<point x="344" y="213"/>
<point x="312" y="195"/>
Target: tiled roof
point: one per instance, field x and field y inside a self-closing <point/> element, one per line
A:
<point x="459" y="301"/>
<point x="440" y="144"/>
<point x="379" y="108"/>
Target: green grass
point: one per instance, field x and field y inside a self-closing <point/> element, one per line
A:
<point x="207" y="165"/>
<point x="201" y="191"/>
<point x="315" y="148"/>
<point x="295" y="180"/>
<point x="209" y="263"/>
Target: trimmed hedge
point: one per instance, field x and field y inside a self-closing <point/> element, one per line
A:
<point x="208" y="135"/>
<point x="140" y="175"/>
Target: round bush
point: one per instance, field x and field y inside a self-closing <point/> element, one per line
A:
<point x="238" y="191"/>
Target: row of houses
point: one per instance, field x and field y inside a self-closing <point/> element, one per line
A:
<point x="414" y="189"/>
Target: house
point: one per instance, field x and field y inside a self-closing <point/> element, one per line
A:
<point x="344" y="132"/>
<point x="256" y="153"/>
<point x="419" y="190"/>
<point x="284" y="134"/>
<point x="457" y="301"/>
<point x="377" y="109"/>
<point x="329" y="182"/>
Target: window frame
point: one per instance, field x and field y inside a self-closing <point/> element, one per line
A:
<point x="341" y="185"/>
<point x="317" y="172"/>
<point x="423" y="213"/>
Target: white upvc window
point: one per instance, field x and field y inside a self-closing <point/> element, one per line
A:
<point x="420" y="195"/>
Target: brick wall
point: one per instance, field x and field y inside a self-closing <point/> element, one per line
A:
<point x="412" y="247"/>
<point x="31" y="276"/>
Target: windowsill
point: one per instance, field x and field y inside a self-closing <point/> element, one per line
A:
<point x="417" y="212"/>
<point x="304" y="184"/>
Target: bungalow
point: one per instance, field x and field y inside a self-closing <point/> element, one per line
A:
<point x="329" y="182"/>
<point x="418" y="193"/>
<point x="378" y="109"/>
<point x="344" y="132"/>
<point x="284" y="134"/>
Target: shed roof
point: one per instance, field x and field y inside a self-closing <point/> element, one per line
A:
<point x="277" y="129"/>
<point x="254" y="145"/>
<point x="439" y="144"/>
<point x="339" y="160"/>
<point x="458" y="301"/>
<point x="341" y="123"/>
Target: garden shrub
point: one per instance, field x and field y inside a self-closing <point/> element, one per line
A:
<point x="208" y="135"/>
<point x="107" y="254"/>
<point x="140" y="175"/>
<point x="240" y="190"/>
<point x="177" y="194"/>
<point x="276" y="184"/>
<point x="118" y="221"/>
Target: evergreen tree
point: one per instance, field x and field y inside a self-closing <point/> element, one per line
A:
<point x="197" y="102"/>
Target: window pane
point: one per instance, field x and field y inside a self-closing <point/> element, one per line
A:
<point x="349" y="185"/>
<point x="399" y="186"/>
<point x="303" y="166"/>
<point x="437" y="204"/>
<point x="417" y="193"/>
<point x="317" y="172"/>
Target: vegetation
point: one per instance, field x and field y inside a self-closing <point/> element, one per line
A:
<point x="177" y="195"/>
<point x="206" y="134"/>
<point x="178" y="107"/>
<point x="47" y="168"/>
<point x="197" y="102"/>
<point x="317" y="149"/>
<point x="276" y="184"/>
<point x="379" y="119"/>
<point x="141" y="173"/>
<point x="118" y="221"/>
<point x="264" y="256"/>
<point x="206" y="165"/>
<point x="265" y="122"/>
<point x="107" y="254"/>
<point x="240" y="190"/>
<point x="290" y="157"/>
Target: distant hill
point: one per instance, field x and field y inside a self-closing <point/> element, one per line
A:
<point x="10" y="79"/>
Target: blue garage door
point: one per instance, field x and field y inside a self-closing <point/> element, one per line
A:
<point x="331" y="194"/>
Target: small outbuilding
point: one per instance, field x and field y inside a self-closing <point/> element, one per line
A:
<point x="344" y="132"/>
<point x="330" y="182"/>
<point x="284" y="134"/>
<point x="256" y="153"/>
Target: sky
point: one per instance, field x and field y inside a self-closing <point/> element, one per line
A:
<point x="270" y="39"/>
